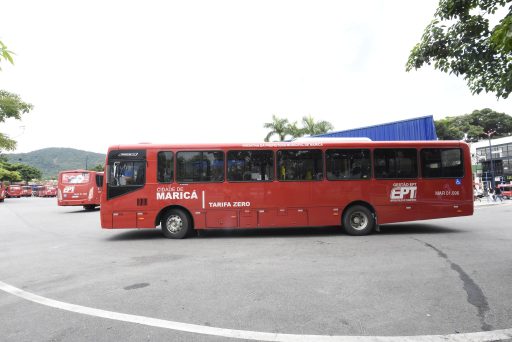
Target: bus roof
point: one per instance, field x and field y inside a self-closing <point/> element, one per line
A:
<point x="310" y="143"/>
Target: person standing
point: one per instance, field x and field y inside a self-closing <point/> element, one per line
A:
<point x="498" y="194"/>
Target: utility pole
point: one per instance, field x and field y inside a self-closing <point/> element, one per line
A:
<point x="489" y="133"/>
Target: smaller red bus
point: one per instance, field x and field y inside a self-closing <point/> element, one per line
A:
<point x="79" y="188"/>
<point x="506" y="190"/>
<point x="13" y="191"/>
<point x="26" y="191"/>
<point x="38" y="191"/>
<point x="2" y="192"/>
<point x="51" y="191"/>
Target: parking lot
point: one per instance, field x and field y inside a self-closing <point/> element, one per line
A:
<point x="64" y="278"/>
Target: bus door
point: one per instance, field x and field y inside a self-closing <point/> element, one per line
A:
<point x="126" y="173"/>
<point x="444" y="186"/>
<point x="395" y="192"/>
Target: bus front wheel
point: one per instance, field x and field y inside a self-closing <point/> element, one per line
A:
<point x="175" y="224"/>
<point x="358" y="220"/>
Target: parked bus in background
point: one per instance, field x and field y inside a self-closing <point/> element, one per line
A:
<point x="79" y="188"/>
<point x="506" y="190"/>
<point x="38" y="191"/>
<point x="51" y="191"/>
<point x="356" y="185"/>
<point x="13" y="191"/>
<point x="2" y="191"/>
<point x="26" y="191"/>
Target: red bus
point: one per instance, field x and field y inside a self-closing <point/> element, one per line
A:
<point x="2" y="192"/>
<point x="13" y="191"/>
<point x="506" y="190"/>
<point x="39" y="191"/>
<point x="26" y="191"/>
<point x="356" y="185"/>
<point x="51" y="191"/>
<point x="79" y="188"/>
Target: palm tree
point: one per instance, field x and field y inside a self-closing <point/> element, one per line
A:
<point x="310" y="127"/>
<point x="293" y="130"/>
<point x="277" y="126"/>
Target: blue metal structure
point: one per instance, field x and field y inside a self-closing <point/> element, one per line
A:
<point x="421" y="128"/>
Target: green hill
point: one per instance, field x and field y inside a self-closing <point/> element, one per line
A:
<point x="54" y="159"/>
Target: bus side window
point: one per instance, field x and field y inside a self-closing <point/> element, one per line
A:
<point x="300" y="165"/>
<point x="165" y="167"/>
<point x="348" y="164"/>
<point x="395" y="163"/>
<point x="250" y="165"/>
<point x="199" y="166"/>
<point x="441" y="163"/>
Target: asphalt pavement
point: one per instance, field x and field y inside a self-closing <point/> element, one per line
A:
<point x="63" y="278"/>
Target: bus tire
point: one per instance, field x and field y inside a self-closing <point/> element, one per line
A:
<point x="175" y="224"/>
<point x="358" y="220"/>
<point x="89" y="207"/>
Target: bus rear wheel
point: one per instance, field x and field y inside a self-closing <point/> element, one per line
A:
<point x="175" y="224"/>
<point x="358" y="220"/>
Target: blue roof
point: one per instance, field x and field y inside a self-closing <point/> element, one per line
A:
<point x="421" y="128"/>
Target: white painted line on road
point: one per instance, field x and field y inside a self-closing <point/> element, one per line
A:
<point x="495" y="335"/>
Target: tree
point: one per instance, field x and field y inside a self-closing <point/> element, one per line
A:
<point x="98" y="168"/>
<point x="11" y="176"/>
<point x="5" y="54"/>
<point x="489" y="120"/>
<point x="26" y="172"/>
<point x="11" y="106"/>
<point x="474" y="125"/>
<point x="283" y="128"/>
<point x="457" y="128"/>
<point x="460" y="41"/>
<point x="310" y="127"/>
<point x="5" y="173"/>
<point x="277" y="126"/>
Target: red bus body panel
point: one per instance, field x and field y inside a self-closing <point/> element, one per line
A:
<point x="286" y="203"/>
<point x="506" y="190"/>
<point x="13" y="191"/>
<point x="78" y="188"/>
<point x="26" y="191"/>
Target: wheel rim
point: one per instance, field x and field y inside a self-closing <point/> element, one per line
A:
<point x="174" y="224"/>
<point x="358" y="220"/>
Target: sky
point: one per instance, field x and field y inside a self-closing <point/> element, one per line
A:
<point x="103" y="73"/>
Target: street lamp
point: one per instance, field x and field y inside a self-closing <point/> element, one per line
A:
<point x="489" y="133"/>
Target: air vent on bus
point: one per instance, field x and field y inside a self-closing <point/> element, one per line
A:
<point x="142" y="202"/>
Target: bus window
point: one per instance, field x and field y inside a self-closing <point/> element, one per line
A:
<point x="251" y="166"/>
<point x="441" y="163"/>
<point x="347" y="164"/>
<point x="99" y="179"/>
<point x="127" y="173"/>
<point x="395" y="163"/>
<point x="165" y="167"/>
<point x="299" y="165"/>
<point x="200" y="166"/>
<point x="75" y="178"/>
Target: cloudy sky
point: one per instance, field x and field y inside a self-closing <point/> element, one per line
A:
<point x="101" y="73"/>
